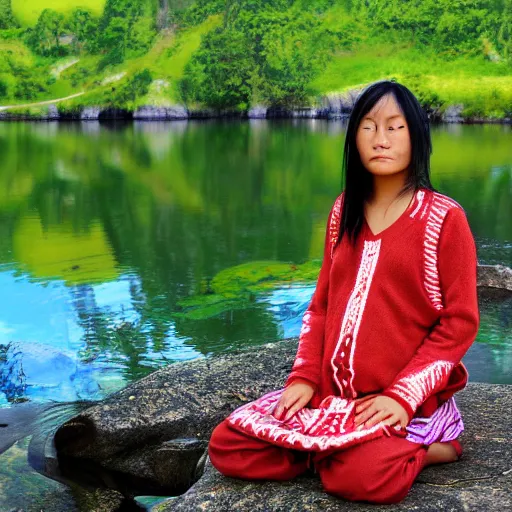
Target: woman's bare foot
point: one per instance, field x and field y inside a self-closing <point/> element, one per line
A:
<point x="439" y="453"/>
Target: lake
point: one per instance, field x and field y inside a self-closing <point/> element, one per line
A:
<point x="108" y="229"/>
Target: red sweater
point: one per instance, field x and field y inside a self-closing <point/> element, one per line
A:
<point x="396" y="313"/>
<point x="393" y="315"/>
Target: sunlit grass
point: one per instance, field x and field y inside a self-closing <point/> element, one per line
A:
<point x="484" y="87"/>
<point x="27" y="11"/>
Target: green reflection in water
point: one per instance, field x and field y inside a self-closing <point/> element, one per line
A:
<point x="167" y="206"/>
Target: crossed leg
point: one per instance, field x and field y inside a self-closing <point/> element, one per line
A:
<point x="379" y="471"/>
<point x="239" y="455"/>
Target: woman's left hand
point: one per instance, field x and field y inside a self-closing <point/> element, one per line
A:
<point x="379" y="408"/>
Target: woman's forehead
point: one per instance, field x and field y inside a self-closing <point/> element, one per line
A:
<point x="387" y="108"/>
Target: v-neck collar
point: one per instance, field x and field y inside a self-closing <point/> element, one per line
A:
<point x="369" y="235"/>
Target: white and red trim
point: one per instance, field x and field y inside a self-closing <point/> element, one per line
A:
<point x="334" y="224"/>
<point x="416" y="387"/>
<point x="439" y="208"/>
<point x="330" y="426"/>
<point x="342" y="361"/>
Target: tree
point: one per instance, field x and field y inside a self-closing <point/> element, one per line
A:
<point x="219" y="72"/>
<point x="84" y="27"/>
<point x="44" y="38"/>
<point x="7" y="19"/>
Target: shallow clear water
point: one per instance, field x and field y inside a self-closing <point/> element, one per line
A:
<point x="105" y="228"/>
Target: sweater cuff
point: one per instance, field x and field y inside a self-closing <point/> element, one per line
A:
<point x="298" y="375"/>
<point x="408" y="409"/>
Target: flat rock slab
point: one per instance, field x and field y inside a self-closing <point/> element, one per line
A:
<point x="480" y="481"/>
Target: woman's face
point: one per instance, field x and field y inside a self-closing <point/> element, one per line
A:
<point x="383" y="139"/>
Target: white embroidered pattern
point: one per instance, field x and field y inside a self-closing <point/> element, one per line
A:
<point x="415" y="388"/>
<point x="329" y="426"/>
<point x="343" y="358"/>
<point x="334" y="225"/>
<point x="438" y="210"/>
<point x="419" y="198"/>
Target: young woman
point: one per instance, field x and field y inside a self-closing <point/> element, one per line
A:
<point x="369" y="401"/>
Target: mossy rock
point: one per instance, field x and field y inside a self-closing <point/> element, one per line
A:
<point x="237" y="287"/>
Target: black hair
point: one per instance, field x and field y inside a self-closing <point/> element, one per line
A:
<point x="357" y="180"/>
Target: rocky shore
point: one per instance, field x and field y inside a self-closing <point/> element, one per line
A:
<point x="150" y="439"/>
<point x="330" y="106"/>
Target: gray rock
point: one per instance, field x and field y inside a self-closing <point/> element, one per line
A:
<point x="495" y="276"/>
<point x="452" y="114"/>
<point x="339" y="104"/>
<point x="150" y="112"/>
<point x="257" y="112"/>
<point x="128" y="432"/>
<point x="90" y="113"/>
<point x="53" y="113"/>
<point x="151" y="436"/>
<point x="481" y="480"/>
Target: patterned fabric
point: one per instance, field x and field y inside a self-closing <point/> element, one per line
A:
<point x="331" y="426"/>
<point x="444" y="425"/>
<point x="343" y="357"/>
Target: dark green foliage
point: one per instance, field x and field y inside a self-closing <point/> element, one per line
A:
<point x="133" y="88"/>
<point x="218" y="74"/>
<point x="29" y="88"/>
<point x="45" y="38"/>
<point x="261" y="54"/>
<point x="126" y="29"/>
<point x="84" y="27"/>
<point x="200" y="10"/>
<point x="4" y="88"/>
<point x="7" y="20"/>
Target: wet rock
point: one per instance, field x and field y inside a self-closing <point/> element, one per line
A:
<point x="90" y="114"/>
<point x="257" y="112"/>
<point x="495" y="276"/>
<point x="128" y="434"/>
<point x="452" y="114"/>
<point x="153" y="113"/>
<point x="481" y="480"/>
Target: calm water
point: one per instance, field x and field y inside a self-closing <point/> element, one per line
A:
<point x="105" y="229"/>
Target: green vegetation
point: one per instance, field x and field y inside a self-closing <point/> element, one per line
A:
<point x="232" y="54"/>
<point x="27" y="12"/>
<point x="236" y="288"/>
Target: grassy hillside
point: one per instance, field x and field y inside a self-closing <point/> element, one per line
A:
<point x="226" y="54"/>
<point x="28" y="11"/>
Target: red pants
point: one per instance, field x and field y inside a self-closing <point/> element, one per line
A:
<point x="379" y="471"/>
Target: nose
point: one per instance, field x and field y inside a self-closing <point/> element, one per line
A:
<point x="381" y="138"/>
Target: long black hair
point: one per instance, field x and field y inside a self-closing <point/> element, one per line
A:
<point x="357" y="180"/>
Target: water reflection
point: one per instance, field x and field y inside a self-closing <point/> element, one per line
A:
<point x="105" y="228"/>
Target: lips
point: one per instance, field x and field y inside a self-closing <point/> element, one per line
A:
<point x="381" y="158"/>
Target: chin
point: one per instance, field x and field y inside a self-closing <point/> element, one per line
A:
<point x="384" y="169"/>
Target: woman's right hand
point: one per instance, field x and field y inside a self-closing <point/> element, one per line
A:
<point x="294" y="397"/>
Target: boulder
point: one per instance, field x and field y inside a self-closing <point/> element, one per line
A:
<point x="257" y="112"/>
<point x="495" y="276"/>
<point x="149" y="438"/>
<point x="154" y="113"/>
<point x="90" y="114"/>
<point x="481" y="480"/>
<point x="452" y="114"/>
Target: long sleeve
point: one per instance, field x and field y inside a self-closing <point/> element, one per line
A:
<point x="429" y="370"/>
<point x="308" y="359"/>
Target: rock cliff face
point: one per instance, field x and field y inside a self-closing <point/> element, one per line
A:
<point x="481" y="480"/>
<point x="335" y="105"/>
